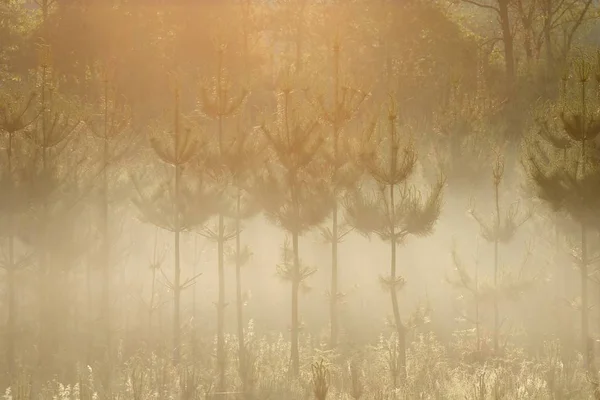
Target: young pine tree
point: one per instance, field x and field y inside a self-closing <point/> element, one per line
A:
<point x="54" y="186"/>
<point x="394" y="209"/>
<point x="505" y="284"/>
<point x="17" y="113"/>
<point x="242" y="158"/>
<point x="175" y="205"/>
<point x="293" y="191"/>
<point x="342" y="107"/>
<point x="246" y="152"/>
<point x="549" y="135"/>
<point x="110" y="127"/>
<point x="569" y="184"/>
<point x="218" y="104"/>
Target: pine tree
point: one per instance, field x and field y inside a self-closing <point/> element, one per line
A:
<point x="294" y="191"/>
<point x="242" y="161"/>
<point x="505" y="284"/>
<point x="244" y="157"/>
<point x="236" y="163"/>
<point x="570" y="185"/>
<point x="55" y="190"/>
<point x="177" y="206"/>
<point x="217" y="104"/>
<point x="109" y="127"/>
<point x="501" y="230"/>
<point x="17" y="113"/>
<point x="342" y="108"/>
<point x="394" y="209"/>
<point x="548" y="134"/>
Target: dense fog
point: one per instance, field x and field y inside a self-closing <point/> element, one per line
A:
<point x="358" y="199"/>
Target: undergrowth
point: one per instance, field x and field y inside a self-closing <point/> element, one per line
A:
<point x="434" y="371"/>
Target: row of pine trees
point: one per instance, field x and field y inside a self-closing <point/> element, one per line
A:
<point x="299" y="168"/>
<point x="339" y="159"/>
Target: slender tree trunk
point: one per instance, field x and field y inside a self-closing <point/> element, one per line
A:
<point x="11" y="272"/>
<point x="477" y="305"/>
<point x="177" y="278"/>
<point x="89" y="313"/>
<point x="177" y="304"/>
<point x="221" y="355"/>
<point x="562" y="319"/>
<point x="221" y="306"/>
<point x="296" y="278"/>
<point x="295" y="354"/>
<point x="12" y="310"/>
<point x="105" y="256"/>
<point x="333" y="301"/>
<point x="194" y="334"/>
<point x="527" y="35"/>
<point x="587" y="351"/>
<point x="46" y="330"/>
<point x="400" y="328"/>
<point x="160" y="327"/>
<point x="238" y="287"/>
<point x="300" y="37"/>
<point x="496" y="273"/>
<point x="221" y="362"/>
<point x="243" y="366"/>
<point x="151" y="310"/>
<point x="154" y="267"/>
<point x="334" y="318"/>
<point x="507" y="38"/>
<point x="585" y="299"/>
<point x="548" y="37"/>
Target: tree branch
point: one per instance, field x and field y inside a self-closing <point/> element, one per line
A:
<point x="487" y="6"/>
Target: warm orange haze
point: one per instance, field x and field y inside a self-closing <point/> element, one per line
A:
<point x="298" y="199"/>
